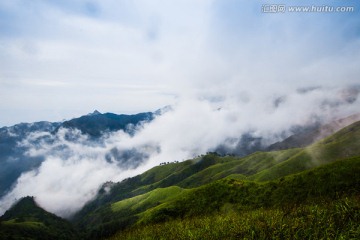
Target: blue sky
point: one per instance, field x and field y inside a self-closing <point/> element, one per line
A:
<point x="62" y="59"/>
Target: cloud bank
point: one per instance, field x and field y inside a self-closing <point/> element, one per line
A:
<point x="76" y="165"/>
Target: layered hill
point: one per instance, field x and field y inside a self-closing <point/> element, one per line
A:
<point x="96" y="123"/>
<point x="250" y="197"/>
<point x="26" y="220"/>
<point x="308" y="135"/>
<point x="327" y="169"/>
<point x="14" y="159"/>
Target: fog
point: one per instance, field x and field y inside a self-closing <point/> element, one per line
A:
<point x="76" y="165"/>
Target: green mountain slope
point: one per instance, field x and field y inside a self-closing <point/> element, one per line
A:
<point x="324" y="184"/>
<point x="257" y="195"/>
<point x="211" y="183"/>
<point x="310" y="135"/>
<point x="158" y="177"/>
<point x="330" y="181"/>
<point x="260" y="166"/>
<point x="345" y="143"/>
<point x="243" y="167"/>
<point x="338" y="219"/>
<point x="26" y="220"/>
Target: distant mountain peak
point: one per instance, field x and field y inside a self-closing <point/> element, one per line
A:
<point x="163" y="110"/>
<point x="96" y="112"/>
<point x="24" y="206"/>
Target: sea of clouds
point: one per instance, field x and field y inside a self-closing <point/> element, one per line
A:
<point x="76" y="165"/>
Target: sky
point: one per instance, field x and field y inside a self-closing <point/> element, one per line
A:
<point x="63" y="59"/>
<point x="225" y="67"/>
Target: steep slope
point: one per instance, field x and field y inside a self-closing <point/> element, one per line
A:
<point x="208" y="182"/>
<point x="160" y="176"/>
<point x="312" y="134"/>
<point x="187" y="174"/>
<point x="324" y="184"/>
<point x="260" y="166"/>
<point x="26" y="220"/>
<point x="345" y="143"/>
<point x="239" y="167"/>
<point x="328" y="181"/>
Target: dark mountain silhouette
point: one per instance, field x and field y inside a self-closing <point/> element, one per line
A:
<point x="14" y="160"/>
<point x="26" y="220"/>
<point x="97" y="123"/>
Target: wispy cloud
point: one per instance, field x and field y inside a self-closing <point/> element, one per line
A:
<point x="75" y="165"/>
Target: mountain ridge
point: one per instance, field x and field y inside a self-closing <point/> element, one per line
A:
<point x="25" y="219"/>
<point x="212" y="185"/>
<point x="15" y="161"/>
<point x="257" y="168"/>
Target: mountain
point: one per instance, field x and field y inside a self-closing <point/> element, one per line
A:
<point x="301" y="136"/>
<point x="321" y="203"/>
<point x="14" y="159"/>
<point x="96" y="123"/>
<point x="26" y="220"/>
<point x="209" y="183"/>
<point x="302" y="192"/>
<point x="309" y="135"/>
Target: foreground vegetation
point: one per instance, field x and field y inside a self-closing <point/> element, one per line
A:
<point x="338" y="219"/>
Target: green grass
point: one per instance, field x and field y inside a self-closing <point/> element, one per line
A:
<point x="245" y="166"/>
<point x="319" y="186"/>
<point x="343" y="144"/>
<point x="338" y="219"/>
<point x="158" y="173"/>
<point x="212" y="185"/>
<point x="29" y="224"/>
<point x="147" y="200"/>
<point x="329" y="181"/>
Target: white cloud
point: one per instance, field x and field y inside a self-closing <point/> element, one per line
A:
<point x="75" y="165"/>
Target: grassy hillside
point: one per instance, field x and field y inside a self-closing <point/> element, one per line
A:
<point x="343" y="144"/>
<point x="246" y="166"/>
<point x="311" y="134"/>
<point x="337" y="219"/>
<point x="25" y="220"/>
<point x="158" y="177"/>
<point x="210" y="183"/>
<point x="326" y="182"/>
<point x="147" y="200"/>
<point x="311" y="192"/>
<point x="320" y="192"/>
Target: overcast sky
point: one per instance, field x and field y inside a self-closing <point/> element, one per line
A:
<point x="63" y="59"/>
